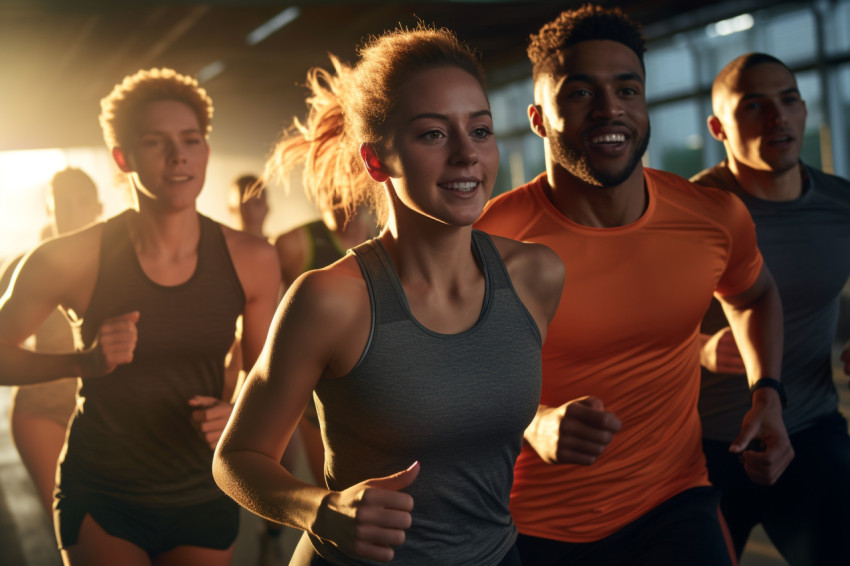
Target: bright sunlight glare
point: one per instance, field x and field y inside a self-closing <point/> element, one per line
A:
<point x="24" y="176"/>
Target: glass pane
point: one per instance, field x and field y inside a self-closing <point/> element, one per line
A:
<point x="670" y="69"/>
<point x="676" y="144"/>
<point x="792" y="37"/>
<point x="508" y="105"/>
<point x="837" y="28"/>
<point x="810" y="89"/>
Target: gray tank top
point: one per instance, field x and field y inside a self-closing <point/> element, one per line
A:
<point x="457" y="403"/>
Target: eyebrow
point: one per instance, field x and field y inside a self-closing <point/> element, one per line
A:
<point x="156" y="132"/>
<point x="791" y="90"/>
<point x="585" y="78"/>
<point x="438" y="116"/>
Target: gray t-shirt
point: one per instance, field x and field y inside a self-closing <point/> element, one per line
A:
<point x="806" y="246"/>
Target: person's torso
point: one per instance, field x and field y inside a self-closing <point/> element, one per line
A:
<point x="457" y="403"/>
<point x="806" y="246"/>
<point x="625" y="332"/>
<point x="132" y="435"/>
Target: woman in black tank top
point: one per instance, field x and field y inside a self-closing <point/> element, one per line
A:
<point x="154" y="294"/>
<point x="417" y="343"/>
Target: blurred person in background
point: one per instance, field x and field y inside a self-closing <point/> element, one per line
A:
<point x="248" y="206"/>
<point x="39" y="413"/>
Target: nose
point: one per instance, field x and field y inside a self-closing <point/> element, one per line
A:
<point x="775" y="114"/>
<point x="464" y="150"/>
<point x="606" y="105"/>
<point x="175" y="153"/>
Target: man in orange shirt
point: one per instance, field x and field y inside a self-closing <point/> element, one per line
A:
<point x="612" y="470"/>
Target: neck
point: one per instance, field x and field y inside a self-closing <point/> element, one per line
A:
<point x="254" y="230"/>
<point x="167" y="233"/>
<point x="594" y="206"/>
<point x="424" y="251"/>
<point x="769" y="185"/>
<point x="354" y="232"/>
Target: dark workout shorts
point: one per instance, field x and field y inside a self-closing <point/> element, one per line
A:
<point x="213" y="524"/>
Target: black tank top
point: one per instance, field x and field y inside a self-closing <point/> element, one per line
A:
<point x="131" y="436"/>
<point x="324" y="248"/>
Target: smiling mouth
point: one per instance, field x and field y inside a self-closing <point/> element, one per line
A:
<point x="608" y="139"/>
<point x="179" y="178"/>
<point x="460" y="186"/>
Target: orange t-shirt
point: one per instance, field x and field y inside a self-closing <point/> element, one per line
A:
<point x="626" y="332"/>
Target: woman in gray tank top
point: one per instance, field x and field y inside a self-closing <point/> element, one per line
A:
<point x="421" y="347"/>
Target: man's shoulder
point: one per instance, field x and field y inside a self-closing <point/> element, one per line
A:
<point x="671" y="184"/>
<point x="520" y="193"/>
<point x="835" y="186"/>
<point x="706" y="201"/>
<point x="510" y="213"/>
<point x="718" y="177"/>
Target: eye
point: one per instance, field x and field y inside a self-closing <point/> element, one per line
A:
<point x="432" y="135"/>
<point x="482" y="132"/>
<point x="148" y="142"/>
<point x="579" y="92"/>
<point x="629" y="91"/>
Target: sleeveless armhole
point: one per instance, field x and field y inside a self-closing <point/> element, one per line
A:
<point x="487" y="248"/>
<point x="366" y="248"/>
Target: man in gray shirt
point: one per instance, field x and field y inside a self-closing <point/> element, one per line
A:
<point x="802" y="218"/>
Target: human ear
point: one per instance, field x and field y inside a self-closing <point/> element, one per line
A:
<point x="716" y="128"/>
<point x="535" y="120"/>
<point x="121" y="160"/>
<point x="373" y="163"/>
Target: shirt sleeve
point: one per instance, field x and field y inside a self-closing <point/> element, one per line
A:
<point x="744" y="259"/>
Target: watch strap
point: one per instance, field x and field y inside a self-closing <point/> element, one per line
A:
<point x="773" y="384"/>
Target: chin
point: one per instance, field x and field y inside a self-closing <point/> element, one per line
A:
<point x="778" y="167"/>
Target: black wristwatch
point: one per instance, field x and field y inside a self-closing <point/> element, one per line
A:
<point x="773" y="384"/>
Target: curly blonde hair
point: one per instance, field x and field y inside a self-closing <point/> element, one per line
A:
<point x="350" y="106"/>
<point x="121" y="107"/>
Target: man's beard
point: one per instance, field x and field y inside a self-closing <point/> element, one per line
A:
<point x="577" y="164"/>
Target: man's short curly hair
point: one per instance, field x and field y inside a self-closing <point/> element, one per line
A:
<point x="121" y="108"/>
<point x="590" y="22"/>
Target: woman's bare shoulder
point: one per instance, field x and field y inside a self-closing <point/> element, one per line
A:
<point x="337" y="287"/>
<point x="327" y="311"/>
<point x="255" y="259"/>
<point x="60" y="271"/>
<point x="76" y="252"/>
<point x="527" y="256"/>
<point x="537" y="274"/>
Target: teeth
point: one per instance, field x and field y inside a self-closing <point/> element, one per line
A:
<point x="179" y="178"/>
<point x="609" y="138"/>
<point x="463" y="187"/>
